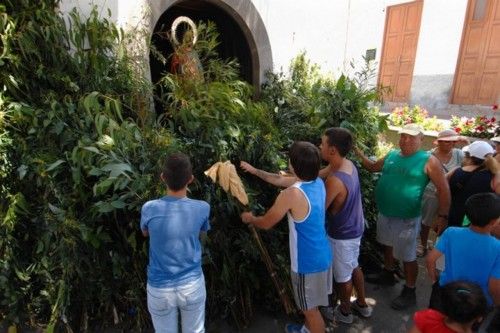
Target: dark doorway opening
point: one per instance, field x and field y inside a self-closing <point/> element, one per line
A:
<point x="232" y="40"/>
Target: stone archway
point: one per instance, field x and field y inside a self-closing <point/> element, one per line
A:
<point x="250" y="42"/>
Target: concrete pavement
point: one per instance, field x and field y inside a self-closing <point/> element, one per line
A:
<point x="384" y="318"/>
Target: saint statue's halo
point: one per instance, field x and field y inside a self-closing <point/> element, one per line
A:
<point x="175" y="24"/>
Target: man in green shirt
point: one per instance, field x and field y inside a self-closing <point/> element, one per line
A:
<point x="405" y="173"/>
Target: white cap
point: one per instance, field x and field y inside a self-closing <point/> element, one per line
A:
<point x="496" y="139"/>
<point x="479" y="149"/>
<point x="411" y="129"/>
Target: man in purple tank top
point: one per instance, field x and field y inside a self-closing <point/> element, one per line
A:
<point x="345" y="222"/>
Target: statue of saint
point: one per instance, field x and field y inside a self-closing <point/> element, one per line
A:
<point x="185" y="60"/>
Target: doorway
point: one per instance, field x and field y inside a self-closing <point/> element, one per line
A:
<point x="402" y="27"/>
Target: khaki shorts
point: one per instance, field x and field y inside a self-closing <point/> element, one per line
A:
<point x="400" y="234"/>
<point x="312" y="290"/>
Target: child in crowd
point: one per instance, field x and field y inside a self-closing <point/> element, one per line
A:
<point x="471" y="254"/>
<point x="462" y="305"/>
<point x="175" y="278"/>
<point x="310" y="254"/>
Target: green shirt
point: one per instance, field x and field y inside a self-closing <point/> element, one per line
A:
<point x="399" y="190"/>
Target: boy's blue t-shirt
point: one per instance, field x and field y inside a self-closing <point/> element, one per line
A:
<point x="174" y="226"/>
<point x="469" y="256"/>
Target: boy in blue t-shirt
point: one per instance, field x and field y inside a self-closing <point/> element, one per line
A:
<point x="173" y="224"/>
<point x="471" y="254"/>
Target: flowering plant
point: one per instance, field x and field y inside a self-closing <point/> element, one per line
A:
<point x="480" y="126"/>
<point x="401" y="116"/>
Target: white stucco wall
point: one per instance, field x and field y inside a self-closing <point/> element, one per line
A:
<point x="123" y="13"/>
<point x="437" y="53"/>
<point x="311" y="26"/>
<point x="334" y="33"/>
<point x="440" y="36"/>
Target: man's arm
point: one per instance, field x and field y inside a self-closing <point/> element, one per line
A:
<point x="334" y="187"/>
<point x="323" y="173"/>
<point x="271" y="178"/>
<point x="372" y="166"/>
<point x="494" y="289"/>
<point x="280" y="207"/>
<point x="430" y="263"/>
<point x="436" y="174"/>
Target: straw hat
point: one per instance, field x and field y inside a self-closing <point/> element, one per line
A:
<point x="447" y="135"/>
<point x="411" y="129"/>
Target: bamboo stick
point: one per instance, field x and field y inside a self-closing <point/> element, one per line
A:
<point x="287" y="305"/>
<point x="226" y="171"/>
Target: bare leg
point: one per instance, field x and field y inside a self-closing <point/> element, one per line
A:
<point x="388" y="258"/>
<point x="358" y="280"/>
<point x="411" y="271"/>
<point x="424" y="235"/>
<point x="314" y="321"/>
<point x="345" y="292"/>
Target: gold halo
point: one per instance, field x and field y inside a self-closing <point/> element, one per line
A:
<point x="175" y="24"/>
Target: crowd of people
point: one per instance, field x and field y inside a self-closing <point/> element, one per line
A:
<point x="453" y="191"/>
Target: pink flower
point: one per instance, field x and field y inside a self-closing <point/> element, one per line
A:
<point x="495" y="107"/>
<point x="458" y="129"/>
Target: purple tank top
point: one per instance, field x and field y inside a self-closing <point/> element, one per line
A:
<point x="348" y="223"/>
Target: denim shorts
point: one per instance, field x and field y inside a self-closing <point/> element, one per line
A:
<point x="164" y="305"/>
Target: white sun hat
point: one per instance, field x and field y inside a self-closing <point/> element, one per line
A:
<point x="479" y="149"/>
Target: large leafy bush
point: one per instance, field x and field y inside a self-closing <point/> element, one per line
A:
<point x="80" y="167"/>
<point x="80" y="151"/>
<point x="306" y="102"/>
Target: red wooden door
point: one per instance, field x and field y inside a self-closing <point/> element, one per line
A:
<point x="402" y="27"/>
<point x="477" y="78"/>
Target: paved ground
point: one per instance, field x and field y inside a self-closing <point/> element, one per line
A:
<point x="384" y="318"/>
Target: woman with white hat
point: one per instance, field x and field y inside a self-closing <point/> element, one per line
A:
<point x="450" y="158"/>
<point x="470" y="179"/>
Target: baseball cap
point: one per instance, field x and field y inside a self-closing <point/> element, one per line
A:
<point x="447" y="135"/>
<point x="479" y="149"/>
<point x="496" y="139"/>
<point x="411" y="129"/>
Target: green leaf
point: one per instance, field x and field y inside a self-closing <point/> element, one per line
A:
<point x="103" y="186"/>
<point x="92" y="149"/>
<point x="55" y="165"/>
<point x="117" y="169"/>
<point x="104" y="207"/>
<point x="132" y="241"/>
<point x="118" y="204"/>
<point x="56" y="210"/>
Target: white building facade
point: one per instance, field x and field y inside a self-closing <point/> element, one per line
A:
<point x="440" y="58"/>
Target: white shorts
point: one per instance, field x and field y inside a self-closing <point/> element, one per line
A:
<point x="345" y="258"/>
<point x="400" y="234"/>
